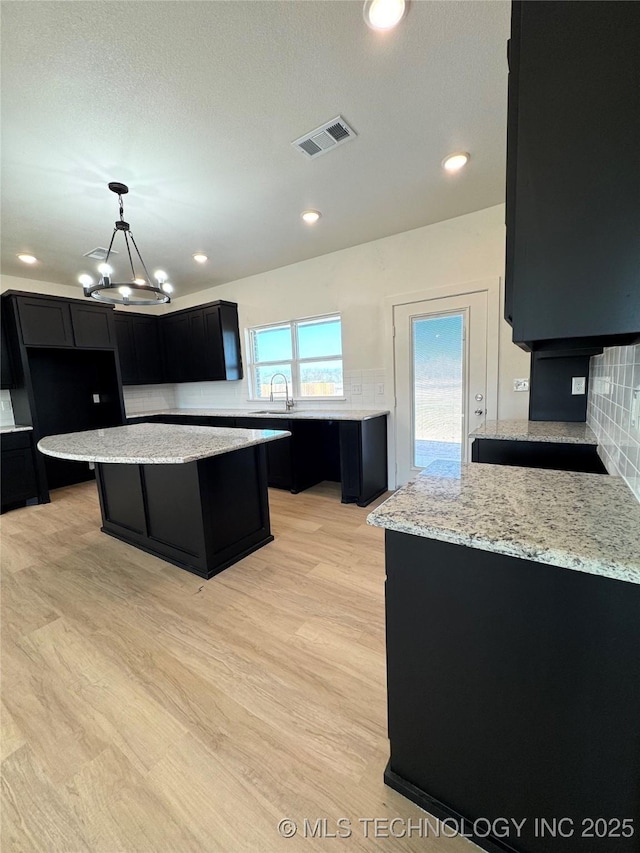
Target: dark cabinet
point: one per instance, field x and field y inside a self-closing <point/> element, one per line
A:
<point x="19" y="481"/>
<point x="280" y="468"/>
<point x="6" y="363"/>
<point x="44" y="322"/>
<point x="139" y="349"/>
<point x="92" y="326"/>
<point x="538" y="454"/>
<point x="573" y="173"/>
<point x="363" y="460"/>
<point x="202" y="344"/>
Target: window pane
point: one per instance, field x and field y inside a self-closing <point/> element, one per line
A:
<point x="263" y="381"/>
<point x="438" y="357"/>
<point x="272" y="344"/>
<point x="321" y="379"/>
<point x="319" y="337"/>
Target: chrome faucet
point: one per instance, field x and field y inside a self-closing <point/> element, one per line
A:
<point x="288" y="401"/>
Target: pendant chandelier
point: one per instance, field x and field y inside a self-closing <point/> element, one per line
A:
<point x="141" y="289"/>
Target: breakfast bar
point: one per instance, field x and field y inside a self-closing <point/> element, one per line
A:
<point x="513" y="654"/>
<point x="194" y="496"/>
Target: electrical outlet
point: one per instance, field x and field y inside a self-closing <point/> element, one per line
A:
<point x="380" y="388"/>
<point x="635" y="409"/>
<point x="356" y="389"/>
<point x="96" y="398"/>
<point x="578" y="385"/>
<point x="520" y="384"/>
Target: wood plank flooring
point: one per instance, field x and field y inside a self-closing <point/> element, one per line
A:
<point x="145" y="709"/>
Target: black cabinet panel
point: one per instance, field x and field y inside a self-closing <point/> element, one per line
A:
<point x="126" y="348"/>
<point x="213" y="356"/>
<point x="149" y="357"/>
<point x="92" y="326"/>
<point x="19" y="481"/>
<point x="538" y="454"/>
<point x="6" y="363"/>
<point x="177" y="347"/>
<point x="122" y="497"/>
<point x="279" y="453"/>
<point x="573" y="174"/>
<point x="45" y="322"/>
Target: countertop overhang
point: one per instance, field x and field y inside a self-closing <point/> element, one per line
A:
<point x="153" y="444"/>
<point x="552" y="432"/>
<point x="292" y="415"/>
<point x="585" y="522"/>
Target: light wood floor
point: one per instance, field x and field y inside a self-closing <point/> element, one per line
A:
<point x="145" y="709"/>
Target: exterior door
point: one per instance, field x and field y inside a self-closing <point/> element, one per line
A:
<point x="440" y="348"/>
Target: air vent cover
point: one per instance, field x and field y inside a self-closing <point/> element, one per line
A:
<point x="325" y="138"/>
<point x="98" y="254"/>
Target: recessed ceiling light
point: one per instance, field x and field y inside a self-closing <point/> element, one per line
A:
<point x="200" y="258"/>
<point x="455" y="162"/>
<point x="28" y="259"/>
<point x="85" y="280"/>
<point x="384" y="14"/>
<point x="310" y="216"/>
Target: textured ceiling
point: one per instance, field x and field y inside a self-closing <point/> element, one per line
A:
<point x="194" y="105"/>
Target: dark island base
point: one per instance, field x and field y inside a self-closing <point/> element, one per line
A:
<point x="514" y="692"/>
<point x="201" y="516"/>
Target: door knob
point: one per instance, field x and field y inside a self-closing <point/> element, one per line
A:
<point x="479" y="411"/>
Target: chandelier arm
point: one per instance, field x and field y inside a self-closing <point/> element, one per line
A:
<point x="144" y="266"/>
<point x="133" y="272"/>
<point x="113" y="236"/>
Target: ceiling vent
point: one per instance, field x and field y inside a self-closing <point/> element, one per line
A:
<point x="99" y="254"/>
<point x="325" y="138"/>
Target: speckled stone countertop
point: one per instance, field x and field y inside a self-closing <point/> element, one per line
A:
<point x="14" y="428"/>
<point x="153" y="444"/>
<point x="278" y="412"/>
<point x="586" y="522"/>
<point x="554" y="432"/>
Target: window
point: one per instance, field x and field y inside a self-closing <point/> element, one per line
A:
<point x="308" y="352"/>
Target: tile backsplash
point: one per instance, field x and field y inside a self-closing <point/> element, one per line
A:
<point x="363" y="389"/>
<point x="613" y="411"/>
<point x="6" y="409"/>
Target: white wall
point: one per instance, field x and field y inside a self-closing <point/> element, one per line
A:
<point x="356" y="282"/>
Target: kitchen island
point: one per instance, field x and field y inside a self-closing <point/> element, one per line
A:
<point x="194" y="496"/>
<point x="513" y="655"/>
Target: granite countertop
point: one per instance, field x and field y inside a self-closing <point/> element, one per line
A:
<point x="554" y="432"/>
<point x="586" y="522"/>
<point x="153" y="444"/>
<point x="14" y="428"/>
<point x="295" y="414"/>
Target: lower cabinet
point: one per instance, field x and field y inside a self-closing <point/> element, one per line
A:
<point x="19" y="481"/>
<point x="353" y="453"/>
<point x="538" y="454"/>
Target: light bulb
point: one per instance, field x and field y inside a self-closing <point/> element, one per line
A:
<point x="125" y="291"/>
<point x="105" y="269"/>
<point x="455" y="162"/>
<point x="168" y="288"/>
<point x="384" y="14"/>
<point x="310" y="216"/>
<point x="139" y="281"/>
<point x="200" y="258"/>
<point x="27" y="259"/>
<point x="160" y="275"/>
<point x="85" y="280"/>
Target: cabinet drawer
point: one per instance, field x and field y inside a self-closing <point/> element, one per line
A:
<point x="16" y="440"/>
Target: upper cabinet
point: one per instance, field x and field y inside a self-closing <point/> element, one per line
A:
<point x="44" y="321"/>
<point x="573" y="174"/>
<point x="195" y="345"/>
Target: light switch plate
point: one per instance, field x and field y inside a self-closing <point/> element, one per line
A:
<point x="380" y="388"/>
<point x="96" y="398"/>
<point x="520" y="384"/>
<point x="578" y="385"/>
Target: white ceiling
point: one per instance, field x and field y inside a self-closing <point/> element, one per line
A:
<point x="194" y="105"/>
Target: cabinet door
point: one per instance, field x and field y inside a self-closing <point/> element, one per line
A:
<point x="213" y="355"/>
<point x="45" y="322"/>
<point x="177" y="351"/>
<point x="196" y="369"/>
<point x="93" y="326"/>
<point x="126" y="353"/>
<point x="146" y="338"/>
<point x="19" y="481"/>
<point x="279" y="460"/>
<point x="573" y="247"/>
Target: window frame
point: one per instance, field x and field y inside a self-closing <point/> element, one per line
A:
<point x="295" y="361"/>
